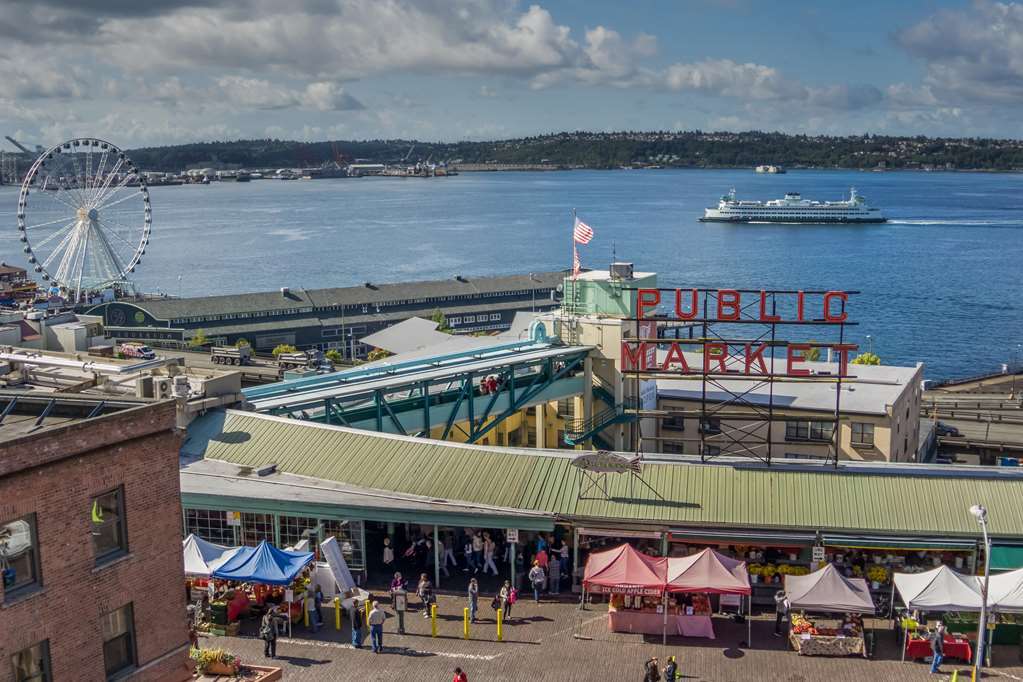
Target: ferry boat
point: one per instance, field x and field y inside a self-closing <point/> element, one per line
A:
<point x="793" y="209"/>
<point x="770" y="169"/>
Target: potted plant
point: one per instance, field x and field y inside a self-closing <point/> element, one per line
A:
<point x="215" y="662"/>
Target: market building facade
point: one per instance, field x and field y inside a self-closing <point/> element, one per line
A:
<point x="361" y="487"/>
<point x="90" y="546"/>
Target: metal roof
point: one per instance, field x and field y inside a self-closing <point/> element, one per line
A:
<point x="912" y="500"/>
<point x="296" y="297"/>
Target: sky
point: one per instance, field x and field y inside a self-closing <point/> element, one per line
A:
<point x="171" y="71"/>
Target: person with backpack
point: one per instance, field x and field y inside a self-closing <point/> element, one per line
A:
<point x="356" y="626"/>
<point x="651" y="672"/>
<point x="537" y="578"/>
<point x="268" y="632"/>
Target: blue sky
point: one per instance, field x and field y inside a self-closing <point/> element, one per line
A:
<point x="168" y="71"/>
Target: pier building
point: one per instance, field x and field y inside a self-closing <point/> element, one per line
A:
<point x="330" y="318"/>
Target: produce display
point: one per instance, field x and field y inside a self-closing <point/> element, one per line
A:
<point x="215" y="661"/>
<point x="771" y="573"/>
<point x="851" y="626"/>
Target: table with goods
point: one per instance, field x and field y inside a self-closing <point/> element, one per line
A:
<point x="646" y="615"/>
<point x="1004" y="628"/>
<point x="808" y="638"/>
<point x="918" y="646"/>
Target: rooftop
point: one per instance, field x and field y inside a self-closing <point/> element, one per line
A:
<point x="369" y="293"/>
<point x="30" y="413"/>
<point x="916" y="500"/>
<point x="869" y="391"/>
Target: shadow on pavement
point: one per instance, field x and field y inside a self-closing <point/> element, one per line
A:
<point x="303" y="662"/>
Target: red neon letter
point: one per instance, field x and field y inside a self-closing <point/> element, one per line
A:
<point x="843" y="297"/>
<point x="843" y="356"/>
<point x="756" y="356"/>
<point x="715" y="352"/>
<point x="764" y="317"/>
<point x="800" y="299"/>
<point x="795" y="353"/>
<point x="675" y="355"/>
<point x="694" y="307"/>
<point x="634" y="354"/>
<point x="728" y="298"/>
<point x="646" y="298"/>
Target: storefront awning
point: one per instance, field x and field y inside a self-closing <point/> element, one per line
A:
<point x="616" y="533"/>
<point x="877" y="542"/>
<point x="771" y="539"/>
<point x="1006" y="557"/>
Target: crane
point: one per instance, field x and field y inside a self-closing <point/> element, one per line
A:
<point x="406" y="156"/>
<point x="18" y="144"/>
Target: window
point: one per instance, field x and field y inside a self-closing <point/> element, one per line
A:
<point x="495" y="317"/>
<point x="294" y="529"/>
<point x="109" y="536"/>
<point x="469" y="318"/>
<point x="256" y="528"/>
<point x="670" y="447"/>
<point x="19" y="555"/>
<point x="711" y="450"/>
<point x="32" y="664"/>
<point x="118" y="640"/>
<point x="863" y="434"/>
<point x="808" y="430"/>
<point x="711" y="425"/>
<point x="454" y="320"/>
<point x="349" y="536"/>
<point x="211" y="525"/>
<point x="675" y="422"/>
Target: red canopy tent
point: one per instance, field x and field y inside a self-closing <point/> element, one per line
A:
<point x="707" y="571"/>
<point x="623" y="570"/>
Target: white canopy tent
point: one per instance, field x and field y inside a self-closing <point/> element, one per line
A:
<point x="827" y="590"/>
<point x="940" y="589"/>
<point x="202" y="557"/>
<point x="1005" y="591"/>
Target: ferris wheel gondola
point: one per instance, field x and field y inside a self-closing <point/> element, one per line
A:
<point x="84" y="217"/>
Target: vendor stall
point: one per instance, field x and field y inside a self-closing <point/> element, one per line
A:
<point x="956" y="646"/>
<point x="943" y="590"/>
<point x="202" y="557"/>
<point x="706" y="572"/>
<point x="827" y="591"/>
<point x="636" y="582"/>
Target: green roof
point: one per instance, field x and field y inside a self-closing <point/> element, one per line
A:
<point x="910" y="500"/>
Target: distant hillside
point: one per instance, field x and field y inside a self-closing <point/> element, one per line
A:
<point x="610" y="150"/>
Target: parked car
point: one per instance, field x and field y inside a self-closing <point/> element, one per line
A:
<point x="943" y="429"/>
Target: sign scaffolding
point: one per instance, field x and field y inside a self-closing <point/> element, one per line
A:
<point x="742" y="353"/>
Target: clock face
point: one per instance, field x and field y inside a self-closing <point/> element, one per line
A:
<point x="116" y="317"/>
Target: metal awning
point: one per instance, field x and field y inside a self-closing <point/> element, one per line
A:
<point x="1006" y="557"/>
<point x="773" y="539"/>
<point x="880" y="542"/>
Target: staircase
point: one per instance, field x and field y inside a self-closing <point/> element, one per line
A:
<point x="578" y="431"/>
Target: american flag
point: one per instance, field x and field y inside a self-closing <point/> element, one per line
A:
<point x="583" y="232"/>
<point x="576" y="265"/>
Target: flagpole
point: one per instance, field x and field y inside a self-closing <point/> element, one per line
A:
<point x="575" y="219"/>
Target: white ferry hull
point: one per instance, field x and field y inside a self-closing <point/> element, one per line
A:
<point x="810" y="220"/>
<point x="793" y="209"/>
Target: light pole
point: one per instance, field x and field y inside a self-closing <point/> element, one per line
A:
<point x="533" y="287"/>
<point x="870" y="344"/>
<point x="980" y="513"/>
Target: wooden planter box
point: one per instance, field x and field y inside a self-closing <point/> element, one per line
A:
<point x="218" y="668"/>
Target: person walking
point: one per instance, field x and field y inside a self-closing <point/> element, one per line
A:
<point x="781" y="609"/>
<point x="477" y="552"/>
<point x="554" y="576"/>
<point x="467" y="552"/>
<point x="356" y="626"/>
<point x="938" y="647"/>
<point x="504" y="596"/>
<point x="449" y="553"/>
<point x="268" y="632"/>
<point x="489" y="547"/>
<point x="537" y="578"/>
<point x="651" y="671"/>
<point x="313" y="605"/>
<point x="671" y="673"/>
<point x="460" y="676"/>
<point x="425" y="593"/>
<point x="474" y="599"/>
<point x="376" y="627"/>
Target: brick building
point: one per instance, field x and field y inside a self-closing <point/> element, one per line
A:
<point x="90" y="540"/>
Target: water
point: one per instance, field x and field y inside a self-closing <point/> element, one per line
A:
<point x="940" y="283"/>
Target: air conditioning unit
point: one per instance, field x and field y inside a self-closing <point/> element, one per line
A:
<point x="621" y="270"/>
<point x="163" y="387"/>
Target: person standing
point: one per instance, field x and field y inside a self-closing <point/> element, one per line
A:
<point x="474" y="599"/>
<point x="477" y="552"/>
<point x="425" y="593"/>
<point x="376" y="627"/>
<point x="537" y="578"/>
<point x="398" y="583"/>
<point x="651" y="672"/>
<point x="489" y="547"/>
<point x="268" y="632"/>
<point x="356" y="625"/>
<point x="467" y="552"/>
<point x="313" y="604"/>
<point x="505" y="599"/>
<point x="938" y="647"/>
<point x="781" y="609"/>
<point x="671" y="670"/>
<point x="459" y="676"/>
<point x="554" y="576"/>
<point x="449" y="552"/>
<point x="388" y="557"/>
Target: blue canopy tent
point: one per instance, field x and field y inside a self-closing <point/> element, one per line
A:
<point x="264" y="564"/>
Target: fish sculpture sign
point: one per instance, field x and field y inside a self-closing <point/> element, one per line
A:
<point x="714" y="353"/>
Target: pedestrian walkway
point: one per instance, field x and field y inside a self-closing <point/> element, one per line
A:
<point x="557" y="641"/>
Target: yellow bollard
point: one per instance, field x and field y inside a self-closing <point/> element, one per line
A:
<point x="433" y="620"/>
<point x="337" y="613"/>
<point x="305" y="609"/>
<point x="366" y="619"/>
<point x="465" y="622"/>
<point x="955" y="676"/>
<point x="500" y="620"/>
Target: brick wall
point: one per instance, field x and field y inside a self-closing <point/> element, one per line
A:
<point x="75" y="593"/>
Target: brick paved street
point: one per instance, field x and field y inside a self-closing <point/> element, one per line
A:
<point x="547" y="642"/>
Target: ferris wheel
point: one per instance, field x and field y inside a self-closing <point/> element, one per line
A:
<point x="84" y="217"/>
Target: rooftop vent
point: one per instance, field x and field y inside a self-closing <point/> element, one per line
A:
<point x="266" y="470"/>
<point x="460" y="278"/>
<point x="370" y="285"/>
<point x="621" y="270"/>
<point x="285" y="291"/>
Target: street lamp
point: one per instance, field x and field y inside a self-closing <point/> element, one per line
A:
<point x="980" y="513"/>
<point x="870" y="344"/>
<point x="533" y="279"/>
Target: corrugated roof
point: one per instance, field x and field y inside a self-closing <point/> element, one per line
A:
<point x="914" y="500"/>
<point x="175" y="308"/>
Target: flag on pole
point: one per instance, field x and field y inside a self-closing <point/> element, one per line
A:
<point x="583" y="233"/>
<point x="575" y="262"/>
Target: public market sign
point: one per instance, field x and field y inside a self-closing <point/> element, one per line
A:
<point x="713" y="308"/>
